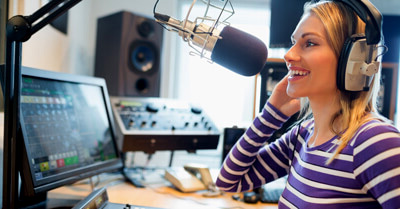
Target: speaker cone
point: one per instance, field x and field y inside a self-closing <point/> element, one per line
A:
<point x="143" y="56"/>
<point x="146" y="29"/>
<point x="142" y="85"/>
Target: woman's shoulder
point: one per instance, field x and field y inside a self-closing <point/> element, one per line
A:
<point x="379" y="125"/>
<point x="375" y="129"/>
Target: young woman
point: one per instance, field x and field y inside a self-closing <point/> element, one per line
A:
<point x="343" y="154"/>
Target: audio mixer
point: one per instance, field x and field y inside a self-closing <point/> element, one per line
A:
<point x="150" y="124"/>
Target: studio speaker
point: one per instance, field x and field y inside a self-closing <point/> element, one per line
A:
<point x="128" y="48"/>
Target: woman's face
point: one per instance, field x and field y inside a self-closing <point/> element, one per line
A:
<point x="311" y="61"/>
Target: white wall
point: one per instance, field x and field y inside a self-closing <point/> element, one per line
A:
<point x="47" y="48"/>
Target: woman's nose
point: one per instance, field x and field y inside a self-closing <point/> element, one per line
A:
<point x="292" y="54"/>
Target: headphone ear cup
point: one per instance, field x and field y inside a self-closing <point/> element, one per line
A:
<point x="342" y="64"/>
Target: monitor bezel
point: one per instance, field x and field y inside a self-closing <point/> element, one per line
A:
<point x="33" y="186"/>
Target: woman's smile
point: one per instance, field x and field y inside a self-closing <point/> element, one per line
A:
<point x="297" y="74"/>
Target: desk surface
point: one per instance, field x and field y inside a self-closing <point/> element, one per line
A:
<point x="156" y="195"/>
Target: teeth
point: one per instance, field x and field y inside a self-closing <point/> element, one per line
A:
<point x="297" y="72"/>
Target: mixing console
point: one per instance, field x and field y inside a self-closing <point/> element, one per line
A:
<point x="150" y="124"/>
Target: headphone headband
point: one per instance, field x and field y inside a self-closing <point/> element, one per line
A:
<point x="371" y="16"/>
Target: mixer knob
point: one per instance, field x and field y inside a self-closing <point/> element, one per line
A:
<point x="152" y="108"/>
<point x="131" y="122"/>
<point x="196" y="110"/>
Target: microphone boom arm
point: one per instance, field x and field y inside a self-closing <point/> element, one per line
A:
<point x="19" y="29"/>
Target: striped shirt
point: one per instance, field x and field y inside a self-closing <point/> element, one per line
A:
<point x="366" y="174"/>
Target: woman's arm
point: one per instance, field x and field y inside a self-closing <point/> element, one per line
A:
<point x="251" y="163"/>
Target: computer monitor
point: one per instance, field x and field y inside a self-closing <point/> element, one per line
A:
<point x="284" y="18"/>
<point x="67" y="130"/>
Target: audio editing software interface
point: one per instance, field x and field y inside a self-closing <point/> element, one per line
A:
<point x="66" y="126"/>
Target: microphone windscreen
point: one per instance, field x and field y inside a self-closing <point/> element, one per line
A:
<point x="239" y="52"/>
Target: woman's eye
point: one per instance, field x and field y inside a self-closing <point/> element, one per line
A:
<point x="310" y="43"/>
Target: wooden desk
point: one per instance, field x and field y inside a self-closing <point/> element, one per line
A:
<point x="163" y="196"/>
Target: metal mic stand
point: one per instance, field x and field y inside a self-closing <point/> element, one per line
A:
<point x="19" y="29"/>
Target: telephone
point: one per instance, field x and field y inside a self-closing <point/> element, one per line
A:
<point x="192" y="177"/>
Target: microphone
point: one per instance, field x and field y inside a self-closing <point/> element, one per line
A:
<point x="240" y="52"/>
<point x="231" y="48"/>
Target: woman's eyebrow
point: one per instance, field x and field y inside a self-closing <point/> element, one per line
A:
<point x="307" y="34"/>
<point x="311" y="34"/>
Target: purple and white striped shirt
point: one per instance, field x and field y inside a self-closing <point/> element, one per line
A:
<point x="366" y="174"/>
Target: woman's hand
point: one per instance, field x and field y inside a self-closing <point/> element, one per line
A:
<point x="279" y="99"/>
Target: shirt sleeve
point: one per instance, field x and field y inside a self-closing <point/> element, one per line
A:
<point x="252" y="162"/>
<point x="377" y="162"/>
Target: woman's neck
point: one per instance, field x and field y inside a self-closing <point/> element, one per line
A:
<point x="323" y="112"/>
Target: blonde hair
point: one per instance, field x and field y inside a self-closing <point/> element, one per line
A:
<point x="340" y="22"/>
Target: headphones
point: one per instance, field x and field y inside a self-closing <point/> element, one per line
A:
<point x="358" y="61"/>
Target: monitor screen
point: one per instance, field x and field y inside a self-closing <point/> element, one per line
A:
<point x="284" y="18"/>
<point x="67" y="129"/>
